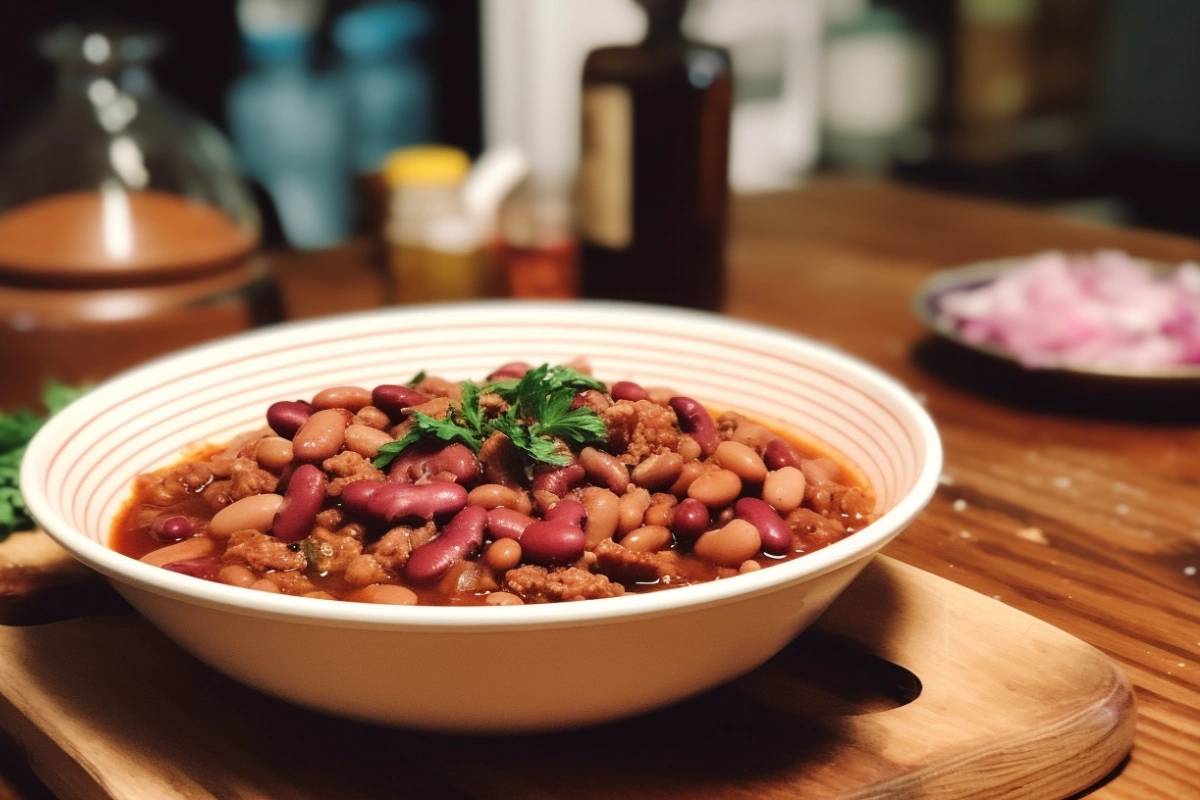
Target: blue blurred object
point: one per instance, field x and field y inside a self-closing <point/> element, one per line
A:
<point x="386" y="81"/>
<point x="289" y="125"/>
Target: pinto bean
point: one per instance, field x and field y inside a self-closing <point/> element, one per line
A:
<point x="425" y="460"/>
<point x="497" y="495"/>
<point x="691" y="470"/>
<point x="321" y="436"/>
<point x="632" y="509"/>
<point x="372" y="417"/>
<point x="273" y="452"/>
<point x="237" y="575"/>
<point x="304" y="498"/>
<point x="690" y="519"/>
<point x="780" y="454"/>
<point x="196" y="547"/>
<point x="385" y="594"/>
<point x="604" y="469"/>
<point x="503" y="554"/>
<point x="688" y="448"/>
<point x="503" y="599"/>
<point x="513" y="369"/>
<point x="505" y="523"/>
<point x="694" y="419"/>
<point x="741" y="460"/>
<point x="394" y="400"/>
<point x="784" y="489"/>
<point x="603" y="512"/>
<point x="755" y="436"/>
<point x="658" y="471"/>
<point x="392" y="502"/>
<point x="254" y="512"/>
<point x="366" y="441"/>
<point x="717" y="488"/>
<point x="775" y="534"/>
<point x="286" y="416"/>
<point x="659" y="395"/>
<point x="559" y="481"/>
<point x="647" y="539"/>
<point x="730" y="545"/>
<point x="628" y="390"/>
<point x="351" y="398"/>
<point x="461" y="539"/>
<point x="569" y="511"/>
<point x="552" y="543"/>
<point x="660" y="513"/>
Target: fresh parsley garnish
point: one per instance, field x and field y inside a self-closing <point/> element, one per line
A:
<point x="15" y="432"/>
<point x="415" y="379"/>
<point x="539" y="419"/>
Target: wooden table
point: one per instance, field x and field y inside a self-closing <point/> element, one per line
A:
<point x="1075" y="503"/>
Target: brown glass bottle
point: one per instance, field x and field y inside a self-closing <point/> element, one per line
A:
<point x="653" y="183"/>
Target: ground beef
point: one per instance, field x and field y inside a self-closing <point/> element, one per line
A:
<point x="502" y="462"/>
<point x="629" y="566"/>
<point x="535" y="584"/>
<point x="331" y="552"/>
<point x="291" y="582"/>
<point x="348" y="467"/>
<point x="364" y="570"/>
<point x="262" y="552"/>
<point x="246" y="477"/>
<point x="433" y="386"/>
<point x="640" y="429"/>
<point x="812" y="531"/>
<point x="394" y="547"/>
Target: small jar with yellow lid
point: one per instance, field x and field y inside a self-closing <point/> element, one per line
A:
<point x="434" y="246"/>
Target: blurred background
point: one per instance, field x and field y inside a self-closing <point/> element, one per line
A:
<point x="150" y="151"/>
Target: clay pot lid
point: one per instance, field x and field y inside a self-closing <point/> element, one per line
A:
<point x="104" y="239"/>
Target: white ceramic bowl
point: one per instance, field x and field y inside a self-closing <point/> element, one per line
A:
<point x="520" y="668"/>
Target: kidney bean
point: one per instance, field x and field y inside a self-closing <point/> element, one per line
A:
<point x="503" y="554"/>
<point x="462" y="538"/>
<point x="647" y="539"/>
<point x="780" y="454"/>
<point x="551" y="543"/>
<point x="503" y="599"/>
<point x="741" y="460"/>
<point x="506" y="523"/>
<point x="632" y="508"/>
<point x="513" y="369"/>
<point x="775" y="534"/>
<point x="497" y="495"/>
<point x="365" y="440"/>
<point x="392" y="502"/>
<point x="273" y="452"/>
<point x="286" y="416"/>
<point x="604" y="469"/>
<point x="385" y="594"/>
<point x="304" y="498"/>
<point x="206" y="568"/>
<point x="716" y="488"/>
<point x="603" y="511"/>
<point x="628" y="390"/>
<point x="356" y="493"/>
<point x="394" y="400"/>
<point x="694" y="419"/>
<point x="730" y="545"/>
<point x="559" y="481"/>
<point x="569" y="511"/>
<point x="351" y="398"/>
<point x="784" y="489"/>
<point x="172" y="529"/>
<point x="254" y="512"/>
<point x="424" y="460"/>
<point x="196" y="547"/>
<point x="691" y="518"/>
<point x="321" y="436"/>
<point x="658" y="471"/>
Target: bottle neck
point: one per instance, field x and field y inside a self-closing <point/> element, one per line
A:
<point x="664" y="20"/>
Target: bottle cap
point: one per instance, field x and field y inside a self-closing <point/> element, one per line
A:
<point x="425" y="165"/>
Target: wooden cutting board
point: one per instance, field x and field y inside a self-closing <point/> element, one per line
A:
<point x="1005" y="706"/>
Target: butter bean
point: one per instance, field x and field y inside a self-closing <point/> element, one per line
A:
<point x="365" y="440"/>
<point x="273" y="452"/>
<point x="603" y="513"/>
<point x="741" y="460"/>
<point x="730" y="545"/>
<point x="633" y="505"/>
<point x="784" y="489"/>
<point x="351" y="398"/>
<point x="255" y="512"/>
<point x="321" y="436"/>
<point x="647" y="539"/>
<point x="196" y="547"/>
<point x="715" y="489"/>
<point x="658" y="471"/>
<point x="604" y="469"/>
<point x="496" y="495"/>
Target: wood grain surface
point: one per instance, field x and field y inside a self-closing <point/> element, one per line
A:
<point x="107" y="707"/>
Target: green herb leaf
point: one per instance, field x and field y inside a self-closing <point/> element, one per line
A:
<point x="424" y="425"/>
<point x="420" y="376"/>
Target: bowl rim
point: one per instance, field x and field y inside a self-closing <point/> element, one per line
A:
<point x="121" y="569"/>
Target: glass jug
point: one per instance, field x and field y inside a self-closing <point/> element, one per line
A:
<point x="125" y="228"/>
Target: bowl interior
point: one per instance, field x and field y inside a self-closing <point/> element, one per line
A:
<point x="77" y="472"/>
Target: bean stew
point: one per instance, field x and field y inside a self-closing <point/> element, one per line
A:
<point x="536" y="484"/>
